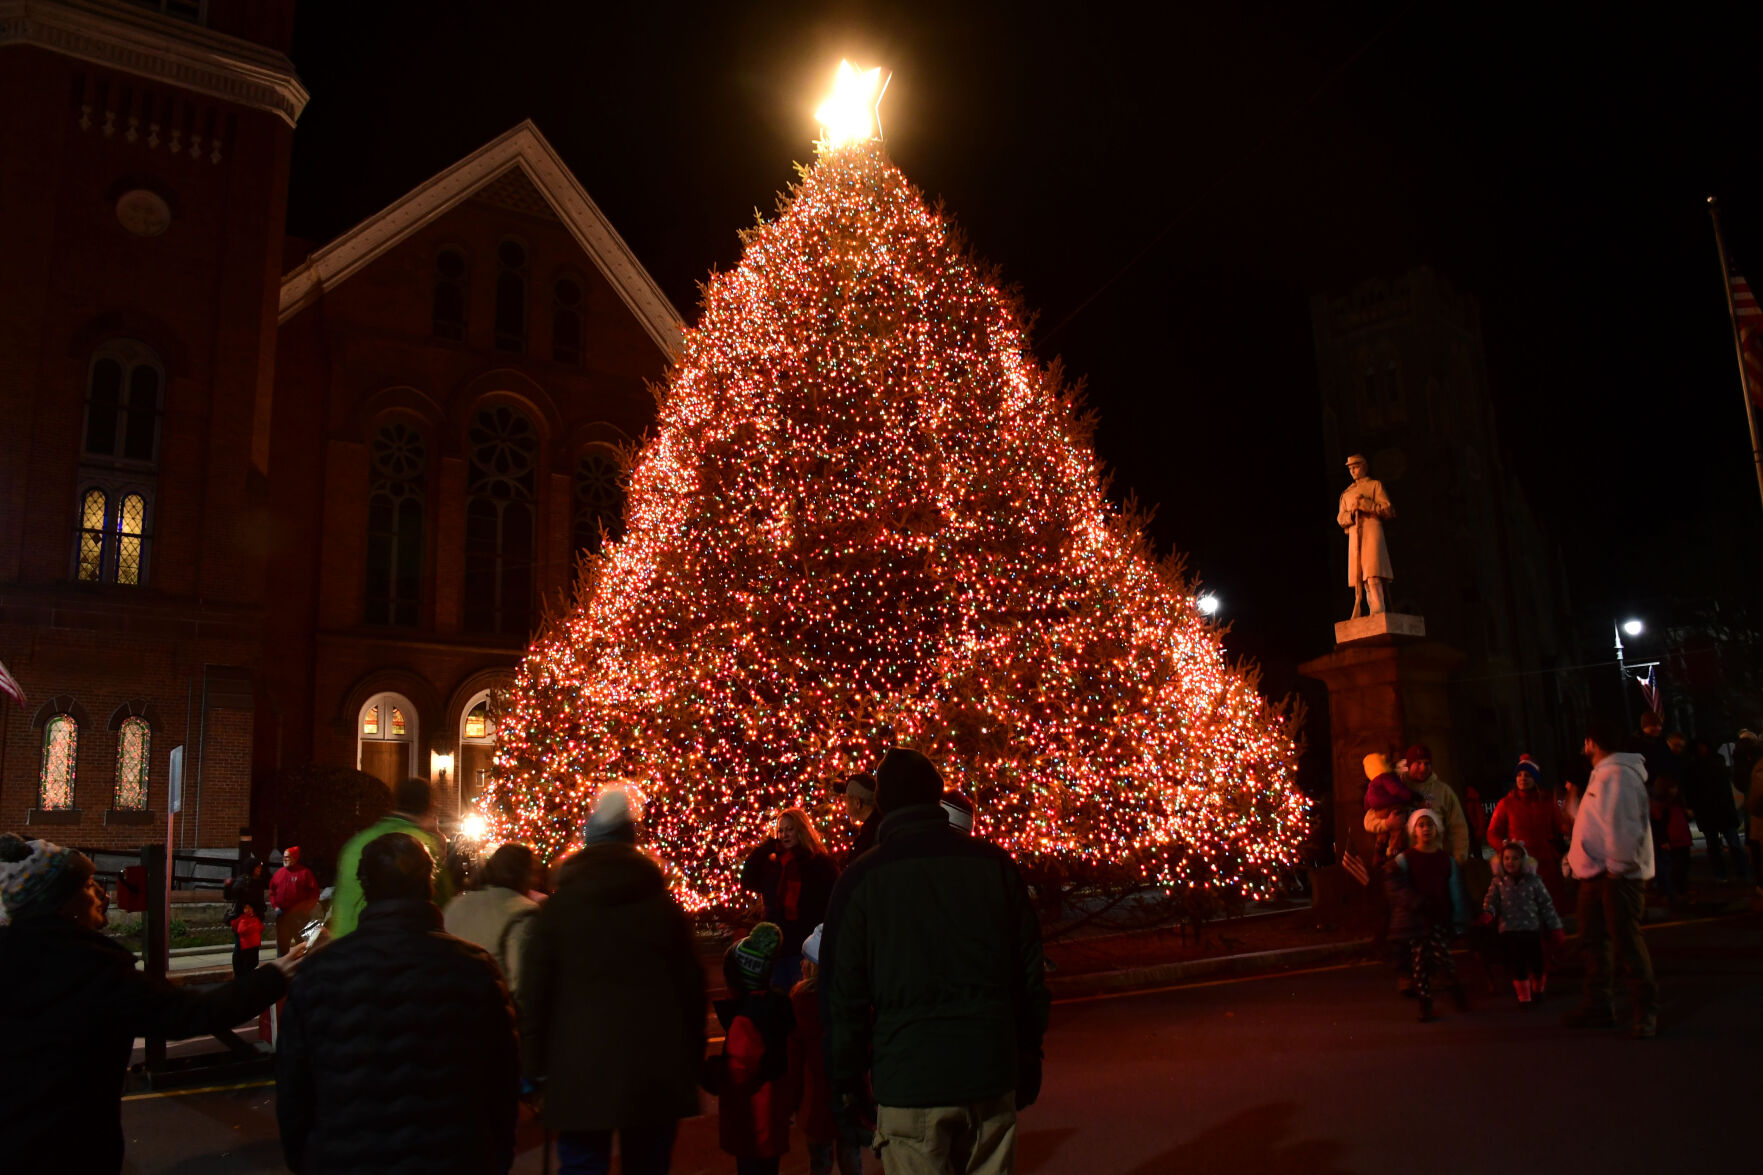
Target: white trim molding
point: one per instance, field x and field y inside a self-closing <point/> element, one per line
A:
<point x="158" y="47"/>
<point x="523" y="147"/>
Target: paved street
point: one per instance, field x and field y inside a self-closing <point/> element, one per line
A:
<point x="1306" y="1074"/>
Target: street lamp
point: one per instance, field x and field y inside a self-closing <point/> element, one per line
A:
<point x="1208" y="604"/>
<point x="1633" y="628"/>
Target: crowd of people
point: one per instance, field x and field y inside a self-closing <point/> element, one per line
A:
<point x="892" y="999"/>
<point x="1598" y="850"/>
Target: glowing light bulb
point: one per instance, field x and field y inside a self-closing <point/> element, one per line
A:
<point x="1208" y="604"/>
<point x="853" y="112"/>
<point x="1633" y="627"/>
<point x="472" y="826"/>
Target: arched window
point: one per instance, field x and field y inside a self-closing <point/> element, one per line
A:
<point x="499" y="522"/>
<point x="112" y="536"/>
<point x="599" y="499"/>
<point x="385" y="744"/>
<point x="566" y="321"/>
<point x="511" y="296"/>
<point x="449" y="304"/>
<point x="395" y="525"/>
<point x="477" y="746"/>
<point x="133" y="747"/>
<point x="61" y="736"/>
<point x="118" y="450"/>
<point x="123" y="389"/>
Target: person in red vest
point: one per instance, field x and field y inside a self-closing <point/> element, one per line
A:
<point x="293" y="891"/>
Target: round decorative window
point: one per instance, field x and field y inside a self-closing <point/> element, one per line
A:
<point x="503" y="444"/>
<point x="144" y="213"/>
<point x="398" y="452"/>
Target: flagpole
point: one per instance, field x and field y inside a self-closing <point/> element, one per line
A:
<point x="1738" y="347"/>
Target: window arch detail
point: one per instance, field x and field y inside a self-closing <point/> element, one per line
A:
<point x="511" y="264"/>
<point x="134" y="744"/>
<point x="385" y="738"/>
<point x="113" y="533"/>
<point x="124" y="388"/>
<point x="399" y="468"/>
<point x="499" y="521"/>
<point x="599" y="499"/>
<point x="448" y="310"/>
<point x="55" y="787"/>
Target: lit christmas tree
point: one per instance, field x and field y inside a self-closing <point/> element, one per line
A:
<point x="868" y="517"/>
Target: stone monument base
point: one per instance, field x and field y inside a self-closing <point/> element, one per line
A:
<point x="1386" y="691"/>
<point x="1378" y="624"/>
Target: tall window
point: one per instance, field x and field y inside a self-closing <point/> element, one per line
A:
<point x="566" y="321"/>
<point x="60" y="753"/>
<point x="386" y="738"/>
<point x="511" y="296"/>
<point x="499" y="522"/>
<point x="118" y="451"/>
<point x="394" y="525"/>
<point x="599" y="499"/>
<point x="133" y="745"/>
<point x="449" y="305"/>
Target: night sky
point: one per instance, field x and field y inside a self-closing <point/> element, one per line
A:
<point x="1168" y="191"/>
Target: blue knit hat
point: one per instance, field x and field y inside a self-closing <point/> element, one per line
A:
<point x="1529" y="766"/>
<point x="36" y="876"/>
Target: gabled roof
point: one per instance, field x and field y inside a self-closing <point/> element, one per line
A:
<point x="524" y="148"/>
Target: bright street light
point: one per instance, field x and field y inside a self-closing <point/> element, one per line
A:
<point x="1632" y="627"/>
<point x="1208" y="604"/>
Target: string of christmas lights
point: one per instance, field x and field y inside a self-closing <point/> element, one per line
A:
<point x="868" y="517"/>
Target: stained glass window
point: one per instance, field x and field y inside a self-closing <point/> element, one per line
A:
<point x="599" y="499"/>
<point x="92" y="512"/>
<point x="60" y="746"/>
<point x="131" y="524"/>
<point x="499" y="522"/>
<point x="478" y="724"/>
<point x="397" y="722"/>
<point x="395" y="525"/>
<point x="133" y="745"/>
<point x="370" y="720"/>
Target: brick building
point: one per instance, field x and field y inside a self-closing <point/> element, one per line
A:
<point x="272" y="504"/>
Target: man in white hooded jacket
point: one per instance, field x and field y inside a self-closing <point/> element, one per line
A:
<point x="1612" y="856"/>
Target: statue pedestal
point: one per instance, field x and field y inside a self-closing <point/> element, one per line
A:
<point x="1386" y="691"/>
<point x="1378" y="624"/>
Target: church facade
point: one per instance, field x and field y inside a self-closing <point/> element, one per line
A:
<point x="270" y="504"/>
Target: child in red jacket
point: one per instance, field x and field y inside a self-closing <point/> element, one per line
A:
<point x="808" y="1069"/>
<point x="1668" y="811"/>
<point x="751" y="1079"/>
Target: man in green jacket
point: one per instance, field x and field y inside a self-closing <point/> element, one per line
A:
<point x="931" y="959"/>
<point x="413" y="807"/>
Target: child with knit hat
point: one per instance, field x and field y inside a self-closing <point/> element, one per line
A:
<point x="1428" y="906"/>
<point x="1519" y="905"/>
<point x="1387" y="803"/>
<point x="814" y="1113"/>
<point x="752" y="1081"/>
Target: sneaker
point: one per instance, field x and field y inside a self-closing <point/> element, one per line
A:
<point x="1589" y="1018"/>
<point x="1522" y="987"/>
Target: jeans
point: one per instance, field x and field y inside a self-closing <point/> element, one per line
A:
<point x="975" y="1139"/>
<point x="1610" y="913"/>
<point x="845" y="1156"/>
<point x="646" y="1150"/>
<point x="1717" y="858"/>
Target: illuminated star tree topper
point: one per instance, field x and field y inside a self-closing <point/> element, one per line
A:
<point x="869" y="517"/>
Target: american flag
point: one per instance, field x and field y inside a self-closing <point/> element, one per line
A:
<point x="1748" y="318"/>
<point x="9" y="685"/>
<point x="1650" y="688"/>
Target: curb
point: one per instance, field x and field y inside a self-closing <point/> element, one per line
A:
<point x="1172" y="974"/>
